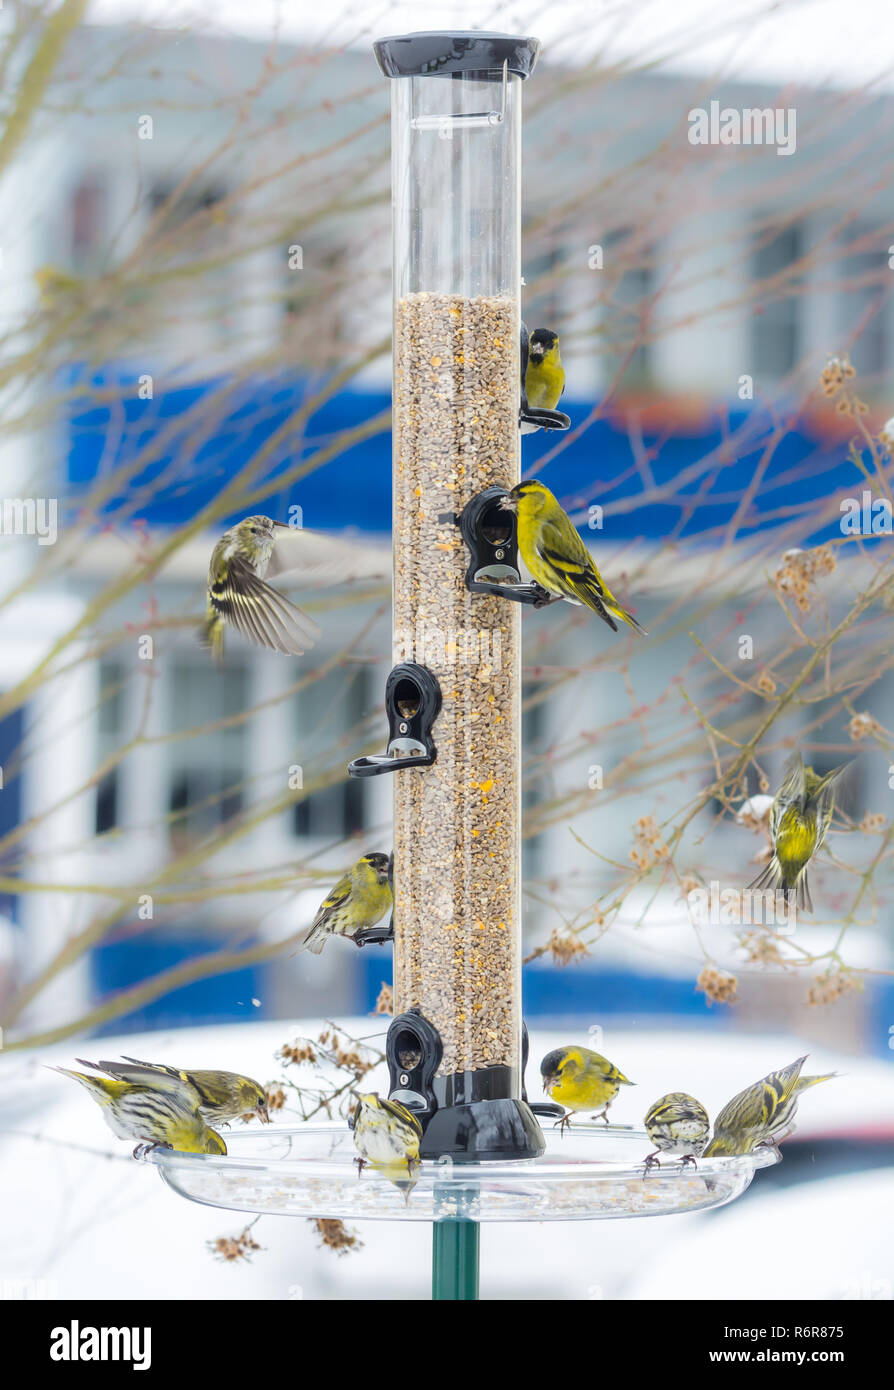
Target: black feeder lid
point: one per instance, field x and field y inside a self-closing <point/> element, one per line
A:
<point x="455" y="54"/>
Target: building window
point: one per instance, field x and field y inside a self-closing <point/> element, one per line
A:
<point x="776" y="329"/>
<point x="324" y="711"/>
<point x="862" y="302"/>
<point x="629" y="275"/>
<point x="310" y="339"/>
<point x="207" y="770"/>
<point x="174" y="210"/>
<point x="87" y="221"/>
<point x="543" y="297"/>
<point x="110" y="725"/>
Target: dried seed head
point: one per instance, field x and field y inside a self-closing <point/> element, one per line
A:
<point x="385" y="1000"/>
<point x="863" y="725"/>
<point x="565" y="949"/>
<point x="832" y="985"/>
<point x="719" y="985"/>
<point x="334" y="1235"/>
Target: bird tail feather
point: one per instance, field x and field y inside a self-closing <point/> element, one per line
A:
<point x="805" y="1081"/>
<point x="314" y="942"/>
<point x="212" y="635"/>
<point x="627" y="618"/>
<point x="772" y="878"/>
<point x="98" y="1087"/>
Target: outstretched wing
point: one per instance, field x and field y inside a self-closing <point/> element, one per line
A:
<point x="259" y="612"/>
<point x="316" y="560"/>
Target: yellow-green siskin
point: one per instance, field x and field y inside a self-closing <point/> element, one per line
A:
<point x="544" y="375"/>
<point x="677" y="1124"/>
<point x="358" y="901"/>
<point x="581" y="1080"/>
<point x="238" y="593"/>
<point x="762" y="1114"/>
<point x="387" y="1137"/>
<point x="158" y="1110"/>
<point x="799" y="819"/>
<point x="223" y="1095"/>
<point x="557" y="557"/>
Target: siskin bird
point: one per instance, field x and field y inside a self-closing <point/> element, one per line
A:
<point x="357" y="902"/>
<point x="557" y="557"/>
<point x="581" y="1080"/>
<point x="677" y="1124"/>
<point x="762" y="1114"/>
<point x="139" y="1103"/>
<point x="387" y="1137"/>
<point x="799" y="819"/>
<point x="238" y="593"/>
<point x="544" y="375"/>
<point x="223" y="1095"/>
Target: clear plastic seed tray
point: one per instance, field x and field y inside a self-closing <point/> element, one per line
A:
<point x="589" y="1173"/>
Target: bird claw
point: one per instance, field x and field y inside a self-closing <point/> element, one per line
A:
<point x="688" y="1160"/>
<point x="147" y="1146"/>
<point x="603" y="1115"/>
<point x="652" y="1161"/>
<point x="361" y="1164"/>
<point x="563" y="1122"/>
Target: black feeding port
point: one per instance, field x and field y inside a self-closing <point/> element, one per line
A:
<point x="412" y="704"/>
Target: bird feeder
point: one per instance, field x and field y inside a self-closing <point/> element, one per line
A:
<point x="456" y="201"/>
<point x="455" y="1048"/>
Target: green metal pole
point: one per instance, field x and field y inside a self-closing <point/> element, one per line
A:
<point x="454" y="1263"/>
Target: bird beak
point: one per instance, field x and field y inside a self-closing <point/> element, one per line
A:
<point x="549" y="1082"/>
<point x="509" y="503"/>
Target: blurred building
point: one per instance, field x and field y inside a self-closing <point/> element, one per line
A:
<point x="668" y="263"/>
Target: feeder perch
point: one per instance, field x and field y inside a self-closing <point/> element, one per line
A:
<point x="413" y="1053"/>
<point x="490" y="533"/>
<point x="412" y="704"/>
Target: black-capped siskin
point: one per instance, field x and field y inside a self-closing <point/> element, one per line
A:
<point x="762" y="1114"/>
<point x="158" y="1110"/>
<point x="799" y="820"/>
<point x="358" y="901"/>
<point x="223" y="1095"/>
<point x="557" y="557"/>
<point x="677" y="1124"/>
<point x="581" y="1080"/>
<point x="544" y="374"/>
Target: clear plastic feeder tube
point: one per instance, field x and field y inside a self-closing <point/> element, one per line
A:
<point x="456" y="175"/>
